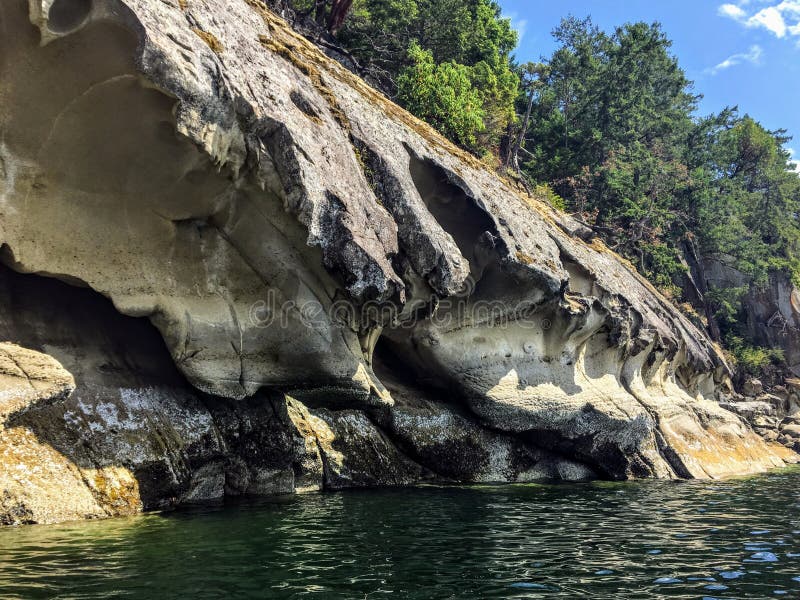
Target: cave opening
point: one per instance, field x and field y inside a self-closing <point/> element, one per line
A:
<point x="456" y="212"/>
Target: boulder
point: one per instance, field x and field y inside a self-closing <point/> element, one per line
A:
<point x="792" y="430"/>
<point x="753" y="387"/>
<point x="37" y="482"/>
<point x="751" y="410"/>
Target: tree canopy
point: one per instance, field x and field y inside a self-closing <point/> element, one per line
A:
<point x="614" y="130"/>
<point x="447" y="61"/>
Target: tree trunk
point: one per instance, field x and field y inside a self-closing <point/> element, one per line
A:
<point x="339" y="11"/>
<point x="513" y="155"/>
<point x="319" y="11"/>
<point x="698" y="278"/>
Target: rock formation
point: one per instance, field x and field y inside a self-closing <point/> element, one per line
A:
<point x="771" y="309"/>
<point x="260" y="276"/>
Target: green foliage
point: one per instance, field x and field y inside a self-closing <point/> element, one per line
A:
<point x="750" y="211"/>
<point x="752" y="359"/>
<point x="613" y="131"/>
<point x="396" y="41"/>
<point x="543" y="190"/>
<point x="663" y="265"/>
<point x="607" y="130"/>
<point x="442" y="95"/>
<point x="727" y="303"/>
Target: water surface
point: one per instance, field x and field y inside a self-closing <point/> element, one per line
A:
<point x="729" y="539"/>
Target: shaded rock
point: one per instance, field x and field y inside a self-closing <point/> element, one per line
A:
<point x="792" y="430"/>
<point x="721" y="272"/>
<point x="753" y="387"/>
<point x="127" y="433"/>
<point x="37" y="483"/>
<point x="781" y="391"/>
<point x="773" y="317"/>
<point x="780" y="405"/>
<point x="751" y="409"/>
<point x="772" y="311"/>
<point x="765" y="421"/>
<point x="791" y="420"/>
<point x="793" y="383"/>
<point x="453" y="444"/>
<point x="27" y="378"/>
<point x="355" y="453"/>
<point x="769" y="434"/>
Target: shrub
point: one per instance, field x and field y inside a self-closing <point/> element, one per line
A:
<point x="442" y="95"/>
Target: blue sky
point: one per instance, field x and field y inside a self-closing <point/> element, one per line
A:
<point x="739" y="52"/>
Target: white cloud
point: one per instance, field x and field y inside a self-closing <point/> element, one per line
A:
<point x="780" y="19"/>
<point x="752" y="56"/>
<point x="794" y="157"/>
<point x="769" y="18"/>
<point x="732" y="11"/>
<point x="518" y="24"/>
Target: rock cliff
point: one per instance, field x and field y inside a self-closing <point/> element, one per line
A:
<point x="231" y="267"/>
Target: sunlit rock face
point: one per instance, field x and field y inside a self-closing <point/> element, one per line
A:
<point x="207" y="169"/>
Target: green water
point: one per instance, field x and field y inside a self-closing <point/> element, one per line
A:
<point x="731" y="539"/>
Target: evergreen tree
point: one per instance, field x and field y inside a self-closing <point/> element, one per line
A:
<point x="461" y="49"/>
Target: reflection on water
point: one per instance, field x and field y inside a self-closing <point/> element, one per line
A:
<point x="731" y="539"/>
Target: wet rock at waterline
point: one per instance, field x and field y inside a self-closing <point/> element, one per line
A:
<point x="104" y="424"/>
<point x="304" y="286"/>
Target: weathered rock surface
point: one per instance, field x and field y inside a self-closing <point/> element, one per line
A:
<point x="772" y="309"/>
<point x="773" y="318"/>
<point x="123" y="431"/>
<point x="207" y="169"/>
<point x="36" y="481"/>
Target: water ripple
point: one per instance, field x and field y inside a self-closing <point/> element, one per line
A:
<point x="730" y="539"/>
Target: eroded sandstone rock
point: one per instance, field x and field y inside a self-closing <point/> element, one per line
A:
<point x="206" y="168"/>
<point x="123" y="431"/>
